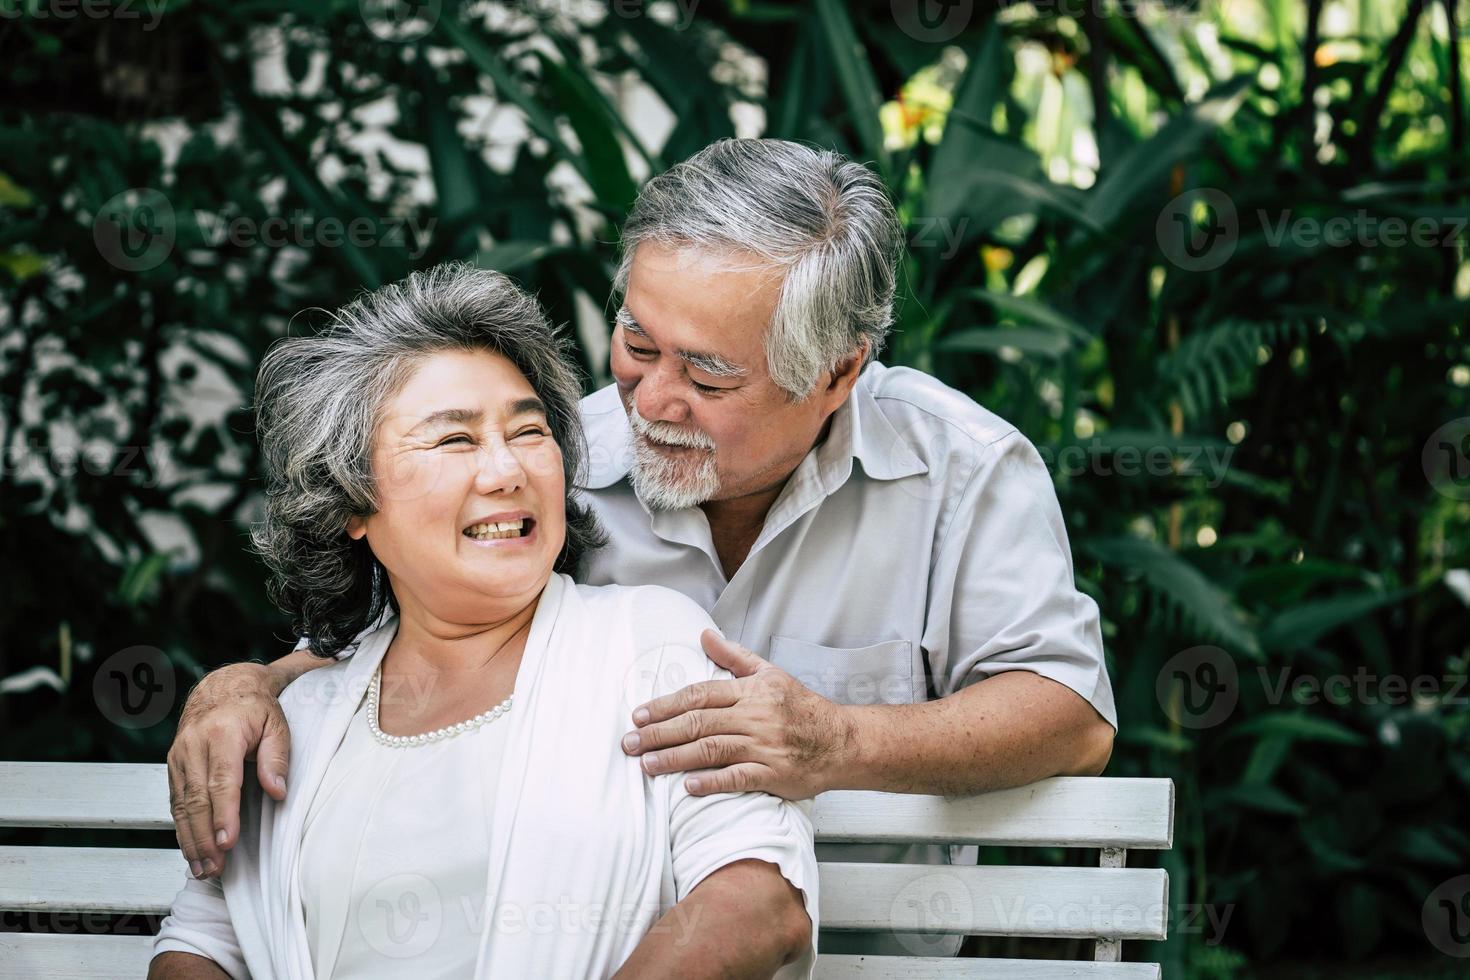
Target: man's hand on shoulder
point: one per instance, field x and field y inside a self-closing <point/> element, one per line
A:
<point x="231" y="716"/>
<point x="764" y="731"/>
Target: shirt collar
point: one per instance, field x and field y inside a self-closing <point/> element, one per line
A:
<point x="859" y="430"/>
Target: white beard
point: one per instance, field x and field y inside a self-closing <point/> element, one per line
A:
<point x="666" y="482"/>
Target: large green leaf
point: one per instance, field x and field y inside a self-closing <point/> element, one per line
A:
<point x="1003" y="179"/>
<point x="855" y="77"/>
<point x="513" y="90"/>
<point x="1303" y="624"/>
<point x="513" y="254"/>
<point x="597" y="130"/>
<point x="1302" y="727"/>
<point x="989" y="340"/>
<point x="1143" y="169"/>
<point x="1256" y="796"/>
<point x="1033" y="311"/>
<point x="259" y="122"/>
<point x="968" y="124"/>
<point x="1168" y="574"/>
<point x="451" y="163"/>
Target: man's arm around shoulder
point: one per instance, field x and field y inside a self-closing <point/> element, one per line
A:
<point x="234" y="714"/>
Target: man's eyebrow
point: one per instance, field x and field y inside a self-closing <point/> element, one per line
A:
<point x="713" y="364"/>
<point x="625" y="320"/>
<point x="708" y="363"/>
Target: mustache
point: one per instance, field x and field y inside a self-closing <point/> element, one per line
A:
<point x="667" y="432"/>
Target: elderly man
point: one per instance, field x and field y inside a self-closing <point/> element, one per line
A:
<point x="872" y="543"/>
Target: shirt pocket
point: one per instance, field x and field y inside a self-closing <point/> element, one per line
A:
<point x="882" y="673"/>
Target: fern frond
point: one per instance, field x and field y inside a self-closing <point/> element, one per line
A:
<point x="1209" y="363"/>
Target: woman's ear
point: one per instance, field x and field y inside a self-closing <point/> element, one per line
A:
<point x="356" y="528"/>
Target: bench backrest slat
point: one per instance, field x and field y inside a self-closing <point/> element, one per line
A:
<point x="25" y="956"/>
<point x="835" y="966"/>
<point x="1067" y="811"/>
<point x="988" y="900"/>
<point x="1063" y="812"/>
<point x="84" y="794"/>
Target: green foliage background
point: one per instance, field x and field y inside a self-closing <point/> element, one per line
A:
<point x="1033" y="149"/>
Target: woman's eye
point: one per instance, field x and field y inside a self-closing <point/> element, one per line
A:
<point x="532" y="431"/>
<point x="639" y="351"/>
<point x="461" y="439"/>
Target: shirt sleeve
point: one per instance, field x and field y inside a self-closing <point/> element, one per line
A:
<point x="708" y="832"/>
<point x="199" y="923"/>
<point x="1003" y="596"/>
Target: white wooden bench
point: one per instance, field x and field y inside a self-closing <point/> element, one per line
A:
<point x="1108" y="903"/>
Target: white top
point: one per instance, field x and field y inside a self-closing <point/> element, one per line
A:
<point x="382" y="882"/>
<point x="586" y="852"/>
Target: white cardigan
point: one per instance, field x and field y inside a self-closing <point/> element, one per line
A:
<point x="587" y="852"/>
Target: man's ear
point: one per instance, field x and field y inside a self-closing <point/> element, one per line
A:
<point x="846" y="371"/>
<point x="356" y="528"/>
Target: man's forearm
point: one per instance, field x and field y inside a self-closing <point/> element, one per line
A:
<point x="1008" y="730"/>
<point x="283" y="670"/>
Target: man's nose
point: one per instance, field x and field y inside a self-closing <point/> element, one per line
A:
<point x="657" y="398"/>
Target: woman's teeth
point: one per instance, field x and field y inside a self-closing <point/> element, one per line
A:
<point x="496" y="529"/>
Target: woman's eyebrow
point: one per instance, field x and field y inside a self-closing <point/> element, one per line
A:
<point x="448" y="416"/>
<point x="526" y="406"/>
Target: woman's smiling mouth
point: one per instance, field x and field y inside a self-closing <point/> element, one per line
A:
<point x="493" y="532"/>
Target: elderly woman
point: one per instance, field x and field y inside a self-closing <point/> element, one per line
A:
<point x="459" y="805"/>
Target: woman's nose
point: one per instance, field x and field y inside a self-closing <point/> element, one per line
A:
<point x="500" y="470"/>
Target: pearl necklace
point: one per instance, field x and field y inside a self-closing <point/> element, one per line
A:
<point x="409" y="741"/>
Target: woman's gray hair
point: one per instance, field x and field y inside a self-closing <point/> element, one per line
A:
<point x="319" y="400"/>
<point x="822" y="220"/>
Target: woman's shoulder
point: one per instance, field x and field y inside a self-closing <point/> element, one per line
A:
<point x="316" y="688"/>
<point x="648" y="622"/>
<point x="647" y="607"/>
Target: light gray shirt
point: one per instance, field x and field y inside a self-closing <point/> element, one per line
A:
<point x="917" y="550"/>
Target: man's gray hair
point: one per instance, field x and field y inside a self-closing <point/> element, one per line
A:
<point x="823" y="221"/>
<point x="319" y="400"/>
